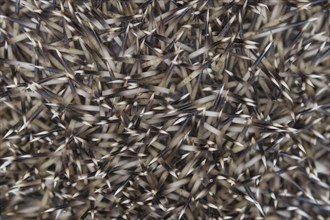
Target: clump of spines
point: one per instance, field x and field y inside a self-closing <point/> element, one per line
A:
<point x="164" y="109"/>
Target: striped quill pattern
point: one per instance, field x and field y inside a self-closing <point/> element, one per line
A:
<point x="145" y="109"/>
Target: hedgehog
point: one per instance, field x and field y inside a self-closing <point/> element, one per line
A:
<point x="146" y="109"/>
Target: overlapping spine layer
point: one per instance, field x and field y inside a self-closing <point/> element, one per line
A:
<point x="146" y="109"/>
